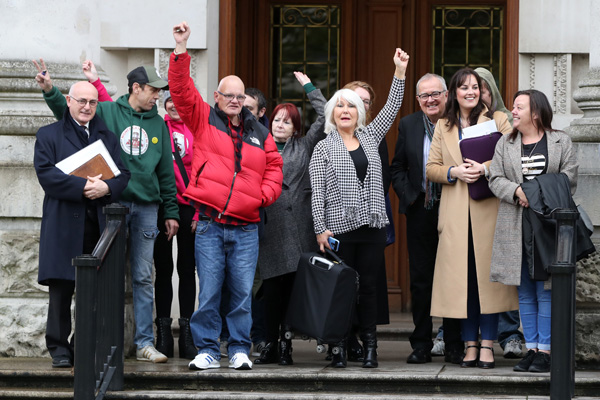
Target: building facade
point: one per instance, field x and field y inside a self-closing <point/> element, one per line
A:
<point x="526" y="44"/>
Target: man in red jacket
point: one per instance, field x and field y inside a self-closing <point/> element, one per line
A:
<point x="236" y="170"/>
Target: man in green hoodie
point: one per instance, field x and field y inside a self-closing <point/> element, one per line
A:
<point x="146" y="152"/>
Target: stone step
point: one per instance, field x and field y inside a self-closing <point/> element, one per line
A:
<point x="309" y="378"/>
<point x="237" y="395"/>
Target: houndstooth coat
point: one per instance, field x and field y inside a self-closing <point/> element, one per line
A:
<point x="340" y="202"/>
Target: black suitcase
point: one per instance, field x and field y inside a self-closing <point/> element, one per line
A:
<point x="323" y="297"/>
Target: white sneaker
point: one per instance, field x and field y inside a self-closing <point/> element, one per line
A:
<point x="240" y="361"/>
<point x="258" y="348"/>
<point x="204" y="361"/>
<point x="149" y="353"/>
<point x="513" y="349"/>
<point x="439" y="347"/>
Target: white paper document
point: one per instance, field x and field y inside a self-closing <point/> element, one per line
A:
<point x="84" y="155"/>
<point x="484" y="128"/>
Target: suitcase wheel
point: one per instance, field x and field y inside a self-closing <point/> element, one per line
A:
<point x="335" y="350"/>
<point x="321" y="348"/>
<point x="288" y="335"/>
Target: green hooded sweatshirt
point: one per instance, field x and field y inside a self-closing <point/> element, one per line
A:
<point x="147" y="156"/>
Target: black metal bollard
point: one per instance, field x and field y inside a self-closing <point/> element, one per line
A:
<point x="562" y="370"/>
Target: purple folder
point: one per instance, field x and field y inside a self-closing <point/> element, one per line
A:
<point x="480" y="149"/>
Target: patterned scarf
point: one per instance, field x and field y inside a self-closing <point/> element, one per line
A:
<point x="432" y="189"/>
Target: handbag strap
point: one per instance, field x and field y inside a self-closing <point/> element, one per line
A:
<point x="179" y="162"/>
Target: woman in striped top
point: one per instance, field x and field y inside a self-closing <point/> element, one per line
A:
<point x="532" y="149"/>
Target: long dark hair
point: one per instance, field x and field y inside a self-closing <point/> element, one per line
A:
<point x="452" y="108"/>
<point x="539" y="109"/>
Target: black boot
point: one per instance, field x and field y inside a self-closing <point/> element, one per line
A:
<point x="338" y="359"/>
<point x="186" y="341"/>
<point x="285" y="352"/>
<point x="268" y="355"/>
<point x="164" y="336"/>
<point x="355" y="350"/>
<point x="370" y="345"/>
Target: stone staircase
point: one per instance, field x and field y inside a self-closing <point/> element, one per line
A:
<point x="308" y="378"/>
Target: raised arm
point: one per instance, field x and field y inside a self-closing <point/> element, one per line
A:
<point x="318" y="101"/>
<point x="53" y="97"/>
<point x="90" y="72"/>
<point x="384" y="120"/>
<point x="191" y="107"/>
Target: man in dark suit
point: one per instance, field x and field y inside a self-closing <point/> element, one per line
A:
<point x="419" y="201"/>
<point x="72" y="213"/>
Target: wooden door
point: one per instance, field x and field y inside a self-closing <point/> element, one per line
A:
<point x="369" y="31"/>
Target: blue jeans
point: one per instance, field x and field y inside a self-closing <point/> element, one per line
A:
<point x="508" y="327"/>
<point x="476" y="321"/>
<point x="142" y="232"/>
<point x="224" y="254"/>
<point x="535" y="304"/>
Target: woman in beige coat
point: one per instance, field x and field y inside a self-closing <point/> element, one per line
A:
<point x="461" y="282"/>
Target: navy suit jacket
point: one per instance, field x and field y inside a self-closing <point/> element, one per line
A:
<point x="63" y="218"/>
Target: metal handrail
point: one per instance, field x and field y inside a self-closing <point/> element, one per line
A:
<point x="99" y="311"/>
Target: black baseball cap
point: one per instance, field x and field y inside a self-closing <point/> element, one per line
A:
<point x="147" y="75"/>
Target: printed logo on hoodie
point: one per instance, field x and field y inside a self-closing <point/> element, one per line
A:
<point x="132" y="144"/>
<point x="181" y="142"/>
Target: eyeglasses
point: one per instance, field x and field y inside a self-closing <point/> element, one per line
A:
<point x="434" y="95"/>
<point x="83" y="102"/>
<point x="230" y="97"/>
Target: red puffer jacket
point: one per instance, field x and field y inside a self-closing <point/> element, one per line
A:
<point x="214" y="181"/>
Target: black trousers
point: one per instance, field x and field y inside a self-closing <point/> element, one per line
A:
<point x="186" y="266"/>
<point x="276" y="296"/>
<point x="422" y="241"/>
<point x="363" y="249"/>
<point x="58" y="323"/>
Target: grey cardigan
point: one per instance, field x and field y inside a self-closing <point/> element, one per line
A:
<point x="288" y="225"/>
<point x="505" y="176"/>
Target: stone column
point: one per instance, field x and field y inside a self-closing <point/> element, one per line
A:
<point x="585" y="133"/>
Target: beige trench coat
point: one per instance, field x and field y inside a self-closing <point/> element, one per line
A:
<point x="449" y="297"/>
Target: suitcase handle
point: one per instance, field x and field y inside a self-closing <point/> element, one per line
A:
<point x="321" y="262"/>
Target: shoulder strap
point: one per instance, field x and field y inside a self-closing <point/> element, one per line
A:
<point x="179" y="162"/>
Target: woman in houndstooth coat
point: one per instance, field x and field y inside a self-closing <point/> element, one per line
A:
<point x="348" y="200"/>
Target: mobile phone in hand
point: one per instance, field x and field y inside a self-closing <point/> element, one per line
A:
<point x="334" y="244"/>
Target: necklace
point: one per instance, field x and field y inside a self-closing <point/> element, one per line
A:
<point x="528" y="161"/>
